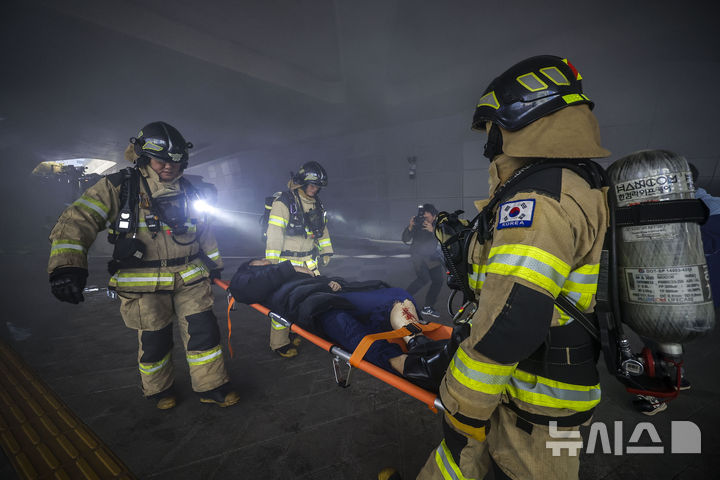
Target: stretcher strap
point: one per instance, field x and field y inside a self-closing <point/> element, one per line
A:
<point x="368" y="340"/>
<point x="231" y="302"/>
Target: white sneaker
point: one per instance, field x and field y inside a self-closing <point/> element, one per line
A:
<point x="649" y="405"/>
<point x="428" y="310"/>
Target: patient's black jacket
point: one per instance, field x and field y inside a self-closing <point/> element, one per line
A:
<point x="297" y="297"/>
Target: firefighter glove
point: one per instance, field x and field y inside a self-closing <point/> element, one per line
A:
<point x="324" y="259"/>
<point x="216" y="274"/>
<point x="67" y="284"/>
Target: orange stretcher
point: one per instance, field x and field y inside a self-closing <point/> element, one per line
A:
<point x="432" y="330"/>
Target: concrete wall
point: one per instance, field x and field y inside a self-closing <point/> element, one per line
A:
<point x="370" y="193"/>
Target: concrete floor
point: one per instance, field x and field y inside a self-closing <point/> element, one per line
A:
<point x="293" y="422"/>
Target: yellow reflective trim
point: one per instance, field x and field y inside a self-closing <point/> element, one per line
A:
<point x="446" y="464"/>
<point x="476" y="277"/>
<point x="276" y="325"/>
<point x="581" y="288"/>
<point x="545" y="392"/>
<point x="272" y="253"/>
<point x="66" y="246"/>
<point x="92" y="205"/>
<point x="582" y="301"/>
<point x="489" y="100"/>
<point x="480" y="376"/>
<point x="532" y="252"/>
<point x="324" y="243"/>
<point x="530" y="263"/>
<point x="213" y="254"/>
<point x="572" y="98"/>
<point x="152" y="146"/>
<point x="205" y="357"/>
<point x="152" y="368"/>
<point x="136" y="279"/>
<point x="555" y="75"/>
<point x="277" y="221"/>
<point x="293" y="261"/>
<point x="527" y="80"/>
<point x="588" y="269"/>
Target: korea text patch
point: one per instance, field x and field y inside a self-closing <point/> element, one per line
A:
<point x="516" y="214"/>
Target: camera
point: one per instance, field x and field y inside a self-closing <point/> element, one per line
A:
<point x="420" y="217"/>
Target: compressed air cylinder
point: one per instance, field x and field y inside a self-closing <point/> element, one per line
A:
<point x="663" y="278"/>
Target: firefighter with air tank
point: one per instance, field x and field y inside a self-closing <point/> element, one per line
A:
<point x="526" y="363"/>
<point x="164" y="259"/>
<point x="297" y="231"/>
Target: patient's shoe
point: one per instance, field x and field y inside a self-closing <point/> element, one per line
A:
<point x="429" y="311"/>
<point x="222" y="396"/>
<point x="287" y="351"/>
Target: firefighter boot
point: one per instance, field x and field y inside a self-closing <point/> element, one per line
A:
<point x="165" y="400"/>
<point x="222" y="396"/>
<point x="286" y="351"/>
<point x="389" y="474"/>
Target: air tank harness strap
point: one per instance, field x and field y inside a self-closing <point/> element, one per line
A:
<point x="670" y="211"/>
<point x="169" y="262"/>
<point x="368" y="340"/>
<point x="526" y="420"/>
<point x="565" y="355"/>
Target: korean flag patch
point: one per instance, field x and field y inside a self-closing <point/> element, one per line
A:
<point x="516" y="214"/>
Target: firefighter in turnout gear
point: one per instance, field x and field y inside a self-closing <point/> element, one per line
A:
<point x="297" y="231"/>
<point x="164" y="258"/>
<point x="527" y="363"/>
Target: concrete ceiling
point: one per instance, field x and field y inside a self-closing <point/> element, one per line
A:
<point x="81" y="76"/>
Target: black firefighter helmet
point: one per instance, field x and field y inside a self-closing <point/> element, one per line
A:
<point x="162" y="141"/>
<point x="528" y="91"/>
<point x="311" y="172"/>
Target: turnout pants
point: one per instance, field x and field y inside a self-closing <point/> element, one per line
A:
<point x="151" y="315"/>
<point x="279" y="334"/>
<point x="513" y="449"/>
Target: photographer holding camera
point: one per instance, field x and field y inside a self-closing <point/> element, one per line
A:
<point x="420" y="235"/>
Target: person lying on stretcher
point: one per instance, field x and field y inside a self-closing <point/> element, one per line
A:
<point x="345" y="312"/>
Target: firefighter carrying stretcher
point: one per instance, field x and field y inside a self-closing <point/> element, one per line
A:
<point x="164" y="258"/>
<point x="297" y="232"/>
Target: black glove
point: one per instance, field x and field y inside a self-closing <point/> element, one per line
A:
<point x="216" y="274"/>
<point x="67" y="284"/>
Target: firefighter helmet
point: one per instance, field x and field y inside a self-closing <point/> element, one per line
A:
<point x="162" y="141"/>
<point x="529" y="90"/>
<point x="311" y="172"/>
